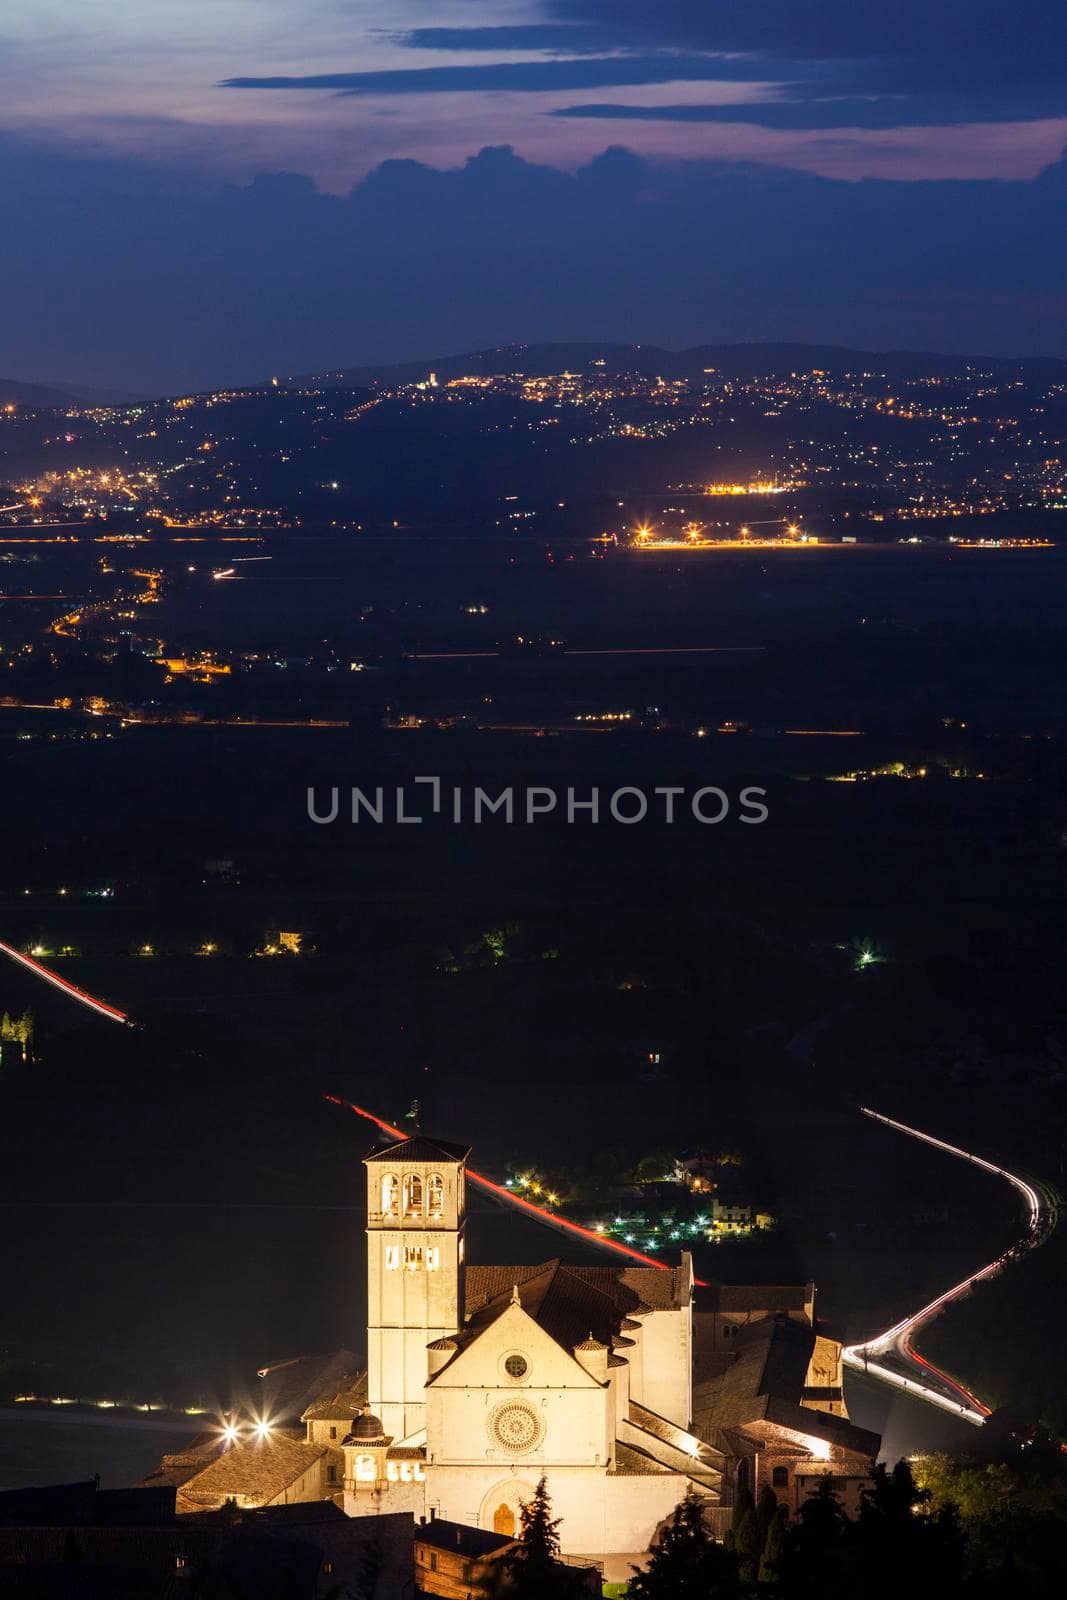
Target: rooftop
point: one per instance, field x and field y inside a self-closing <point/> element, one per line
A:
<point x="419" y="1148"/>
<point x="254" y="1470"/>
<point x="465" y="1541"/>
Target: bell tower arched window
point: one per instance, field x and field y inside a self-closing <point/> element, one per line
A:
<point x="390" y="1194"/>
<point x="413" y="1195"/>
<point x="435" y="1195"/>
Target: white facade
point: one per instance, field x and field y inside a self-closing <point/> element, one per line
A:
<point x="500" y="1397"/>
<point x="416" y="1210"/>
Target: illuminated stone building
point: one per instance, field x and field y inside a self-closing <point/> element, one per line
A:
<point x="624" y="1385"/>
<point x="481" y="1378"/>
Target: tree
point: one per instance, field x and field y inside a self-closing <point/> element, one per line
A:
<point x="534" y="1570"/>
<point x="686" y="1563"/>
<point x="766" y="1507"/>
<point x="748" y="1544"/>
<point x="770" y="1566"/>
<point x="816" y="1555"/>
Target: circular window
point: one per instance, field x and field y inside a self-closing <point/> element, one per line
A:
<point x="515" y="1427"/>
<point x="516" y="1367"/>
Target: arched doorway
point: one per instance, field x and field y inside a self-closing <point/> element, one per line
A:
<point x="501" y="1508"/>
<point x="504" y="1520"/>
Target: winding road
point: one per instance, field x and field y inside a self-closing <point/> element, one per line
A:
<point x="891" y="1356"/>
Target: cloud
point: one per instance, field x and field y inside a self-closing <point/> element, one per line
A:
<point x="564" y="38"/>
<point x="814" y="111"/>
<point x="209" y="283"/>
<point x="981" y="42"/>
<point x="521" y="76"/>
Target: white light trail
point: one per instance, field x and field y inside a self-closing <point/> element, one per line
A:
<point x="897" y="1338"/>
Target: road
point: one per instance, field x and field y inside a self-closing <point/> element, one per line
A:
<point x="71" y="990"/>
<point x="891" y="1356"/>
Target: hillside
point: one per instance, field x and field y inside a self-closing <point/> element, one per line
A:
<point x="728" y="360"/>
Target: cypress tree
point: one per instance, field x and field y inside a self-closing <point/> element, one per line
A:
<point x="770" y="1566"/>
<point x="685" y="1563"/>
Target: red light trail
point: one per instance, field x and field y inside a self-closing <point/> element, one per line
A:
<point x="71" y="990"/>
<point x="500" y="1192"/>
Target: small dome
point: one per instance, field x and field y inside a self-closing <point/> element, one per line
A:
<point x="366" y="1427"/>
<point x="443" y="1344"/>
<point x="590" y="1344"/>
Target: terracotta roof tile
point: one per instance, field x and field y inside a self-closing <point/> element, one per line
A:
<point x="419" y="1148"/>
<point x="253" y="1471"/>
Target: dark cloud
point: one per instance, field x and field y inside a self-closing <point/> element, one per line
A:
<point x="521" y="76"/>
<point x="813" y="110"/>
<point x="564" y="38"/>
<point x="123" y="286"/>
<point x="986" y="42"/>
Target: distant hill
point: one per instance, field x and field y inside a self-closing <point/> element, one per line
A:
<point x="32" y="394"/>
<point x="728" y="360"/>
<point x="16" y="393"/>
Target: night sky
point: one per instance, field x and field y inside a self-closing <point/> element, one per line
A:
<point x="207" y="191"/>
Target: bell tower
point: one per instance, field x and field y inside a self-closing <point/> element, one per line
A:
<point x="416" y="1216"/>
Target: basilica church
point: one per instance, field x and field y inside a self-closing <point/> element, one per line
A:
<point x="625" y="1386"/>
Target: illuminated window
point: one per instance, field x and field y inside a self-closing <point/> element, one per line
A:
<point x="413" y="1257"/>
<point x="390" y="1194"/>
<point x="392" y="1257"/>
<point x="413" y="1195"/>
<point x="365" y="1469"/>
<point x="435" y="1196"/>
<point x="433" y="1258"/>
<point x="420" y="1472"/>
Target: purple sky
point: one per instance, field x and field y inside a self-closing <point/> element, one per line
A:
<point x="106" y="97"/>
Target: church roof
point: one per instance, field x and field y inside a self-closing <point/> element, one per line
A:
<point x="631" y="1463"/>
<point x="764" y="1384"/>
<point x="342" y="1405"/>
<point x="572" y="1304"/>
<point x="764" y="1297"/>
<point x="633" y="1291"/>
<point x="419" y="1148"/>
<point x="255" y="1470"/>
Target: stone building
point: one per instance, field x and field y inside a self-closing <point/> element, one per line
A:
<point x="624" y="1385"/>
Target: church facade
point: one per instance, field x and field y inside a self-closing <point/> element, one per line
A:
<point x="626" y="1386"/>
<point x="618" y="1383"/>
